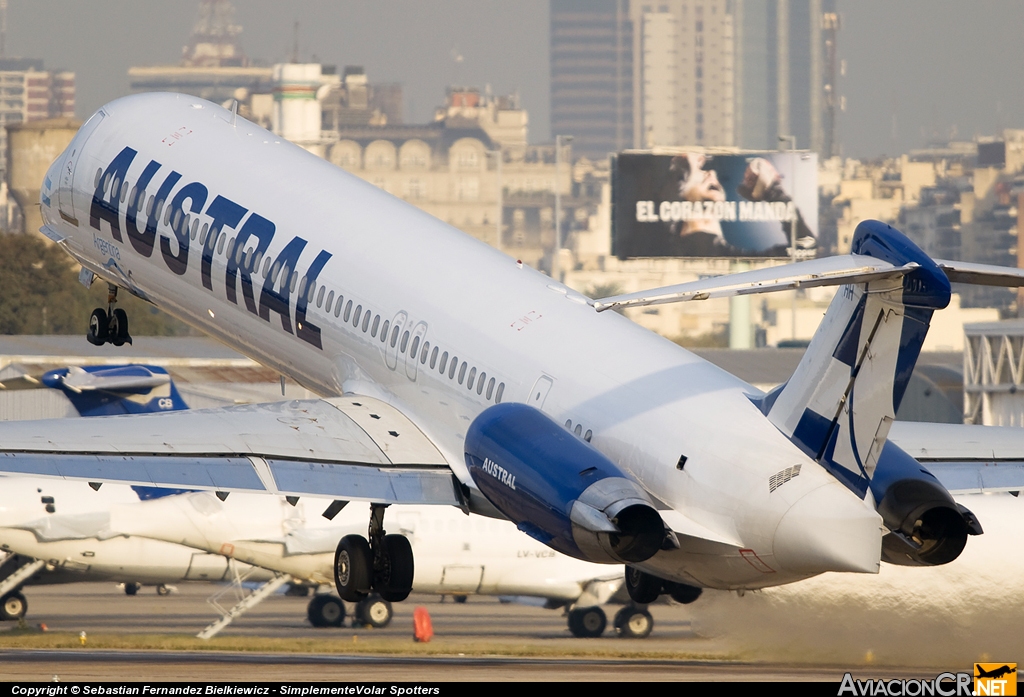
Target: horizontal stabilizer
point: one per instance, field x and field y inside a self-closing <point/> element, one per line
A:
<point x="981" y="274"/>
<point x="827" y="271"/>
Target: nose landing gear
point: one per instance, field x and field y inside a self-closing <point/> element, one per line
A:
<point x="109" y="326"/>
<point x="384" y="563"/>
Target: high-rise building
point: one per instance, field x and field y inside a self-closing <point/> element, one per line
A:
<point x="592" y="75"/>
<point x="30" y="93"/>
<point x="213" y="65"/>
<point x="684" y="72"/>
<point x="785" y="73"/>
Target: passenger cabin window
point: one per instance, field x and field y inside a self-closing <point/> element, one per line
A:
<point x="444" y="361"/>
<point x="348" y="310"/>
<point x="472" y="377"/>
<point x="376" y="323"/>
<point x="501" y="390"/>
<point x="415" y="347"/>
<point x="405" y="342"/>
<point x="338" y="307"/>
<point x="453" y="368"/>
<point x="394" y="336"/>
<point x="424" y="353"/>
<point x="490" y="388"/>
<point x="480" y="385"/>
<point x="330" y="301"/>
<point x="384" y="331"/>
<point x="462" y="372"/>
<point x="356" y="314"/>
<point x="366" y="321"/>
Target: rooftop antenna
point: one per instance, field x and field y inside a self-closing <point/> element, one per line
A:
<point x="295" y="45"/>
<point x="3" y="28"/>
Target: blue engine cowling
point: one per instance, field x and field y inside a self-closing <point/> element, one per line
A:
<point x="927" y="527"/>
<point x="559" y="489"/>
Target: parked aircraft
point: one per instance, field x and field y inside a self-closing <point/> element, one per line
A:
<point x="60" y="532"/>
<point x="453" y="374"/>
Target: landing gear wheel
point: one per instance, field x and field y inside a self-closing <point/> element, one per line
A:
<point x="682" y="593"/>
<point x="374" y="612"/>
<point x="132" y="588"/>
<point x="353" y="564"/>
<point x="118" y="328"/>
<point x="13" y="606"/>
<point x="325" y="611"/>
<point x="394" y="582"/>
<point x="99" y="327"/>
<point x="643" y="588"/>
<point x="633" y="622"/>
<point x="163" y="590"/>
<point x="587" y="622"/>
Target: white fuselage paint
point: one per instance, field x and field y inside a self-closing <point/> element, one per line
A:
<point x="646" y="400"/>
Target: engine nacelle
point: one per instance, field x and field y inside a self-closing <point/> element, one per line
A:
<point x="927" y="527"/>
<point x="559" y="489"/>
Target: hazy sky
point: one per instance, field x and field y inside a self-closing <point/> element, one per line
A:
<point x="914" y="67"/>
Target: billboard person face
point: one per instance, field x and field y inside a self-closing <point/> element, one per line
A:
<point x="698" y="184"/>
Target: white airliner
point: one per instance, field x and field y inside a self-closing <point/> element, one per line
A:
<point x="455" y="556"/>
<point x="452" y="374"/>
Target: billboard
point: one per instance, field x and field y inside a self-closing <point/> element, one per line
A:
<point x="697" y="204"/>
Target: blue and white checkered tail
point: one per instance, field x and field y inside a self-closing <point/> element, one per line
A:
<point x="843" y="397"/>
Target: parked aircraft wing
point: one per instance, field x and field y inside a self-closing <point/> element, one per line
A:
<point x="827" y="271"/>
<point x="344" y="448"/>
<point x="965" y="458"/>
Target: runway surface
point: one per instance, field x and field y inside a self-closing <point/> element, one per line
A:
<point x="482" y="639"/>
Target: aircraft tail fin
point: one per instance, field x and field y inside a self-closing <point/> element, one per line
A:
<point x="844" y="395"/>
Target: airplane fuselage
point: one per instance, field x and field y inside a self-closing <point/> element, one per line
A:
<point x="325" y="278"/>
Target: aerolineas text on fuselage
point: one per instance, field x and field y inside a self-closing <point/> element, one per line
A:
<point x="677" y="473"/>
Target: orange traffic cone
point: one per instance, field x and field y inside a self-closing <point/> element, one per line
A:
<point x="423" y="630"/>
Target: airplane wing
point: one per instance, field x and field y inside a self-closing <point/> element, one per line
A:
<point x="351" y="448"/>
<point x="966" y="458"/>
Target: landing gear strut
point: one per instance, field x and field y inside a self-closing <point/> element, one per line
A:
<point x="644" y="588"/>
<point x="384" y="563"/>
<point x="110" y="325"/>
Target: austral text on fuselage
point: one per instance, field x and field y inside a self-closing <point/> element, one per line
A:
<point x="182" y="214"/>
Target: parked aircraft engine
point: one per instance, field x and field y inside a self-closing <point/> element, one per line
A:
<point x="559" y="489"/>
<point x="927" y="527"/>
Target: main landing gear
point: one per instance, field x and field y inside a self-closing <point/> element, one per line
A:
<point x="644" y="588"/>
<point x="384" y="563"/>
<point x="109" y="326"/>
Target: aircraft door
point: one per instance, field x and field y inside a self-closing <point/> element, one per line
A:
<point x="414" y="348"/>
<point x="207" y="567"/>
<point x="65" y="187"/>
<point x="394" y="339"/>
<point x="540" y="390"/>
<point x="461" y="579"/>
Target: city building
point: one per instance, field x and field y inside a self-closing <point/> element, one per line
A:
<point x="213" y="65"/>
<point x="786" y="74"/>
<point x="28" y="92"/>
<point x="592" y="75"/>
<point x="683" y="72"/>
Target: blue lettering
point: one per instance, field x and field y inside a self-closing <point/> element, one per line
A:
<point x="279" y="301"/>
<point x="109" y="209"/>
<point x="263" y="230"/>
<point x="141" y="240"/>
<point x="224" y="213"/>
<point x="196" y="193"/>
<point x="307" y="331"/>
